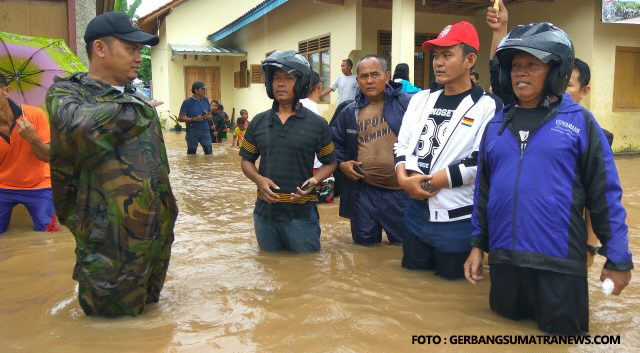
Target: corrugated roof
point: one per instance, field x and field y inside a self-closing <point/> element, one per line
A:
<point x="255" y="13"/>
<point x="205" y="50"/>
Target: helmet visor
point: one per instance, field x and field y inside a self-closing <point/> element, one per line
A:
<point x="509" y="52"/>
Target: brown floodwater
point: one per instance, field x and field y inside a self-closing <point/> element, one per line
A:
<point x="222" y="294"/>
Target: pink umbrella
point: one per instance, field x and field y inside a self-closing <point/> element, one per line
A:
<point x="31" y="63"/>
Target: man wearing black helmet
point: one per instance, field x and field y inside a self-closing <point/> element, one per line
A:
<point x="578" y="87"/>
<point x="542" y="160"/>
<point x="286" y="138"/>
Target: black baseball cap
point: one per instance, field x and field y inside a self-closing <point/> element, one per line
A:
<point x="117" y="24"/>
<point x="197" y="85"/>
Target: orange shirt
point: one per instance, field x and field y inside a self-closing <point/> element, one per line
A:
<point x="20" y="169"/>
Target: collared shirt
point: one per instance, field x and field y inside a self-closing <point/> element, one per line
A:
<point x="286" y="154"/>
<point x="193" y="107"/>
<point x="20" y="169"/>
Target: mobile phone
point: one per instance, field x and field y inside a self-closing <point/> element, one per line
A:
<point x="358" y="169"/>
<point x="305" y="186"/>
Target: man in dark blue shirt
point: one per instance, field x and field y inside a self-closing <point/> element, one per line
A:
<point x="195" y="111"/>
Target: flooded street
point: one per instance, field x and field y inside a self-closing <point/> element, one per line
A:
<point x="222" y="294"/>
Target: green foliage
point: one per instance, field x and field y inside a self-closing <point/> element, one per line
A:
<point x="122" y="6"/>
<point x="145" y="66"/>
<point x="131" y="11"/>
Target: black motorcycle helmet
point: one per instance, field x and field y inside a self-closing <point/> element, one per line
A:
<point x="292" y="63"/>
<point x="546" y="42"/>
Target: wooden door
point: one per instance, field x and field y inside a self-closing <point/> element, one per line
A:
<point x="209" y="75"/>
<point x="39" y="18"/>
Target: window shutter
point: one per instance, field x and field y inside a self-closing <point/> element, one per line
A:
<point x="257" y="75"/>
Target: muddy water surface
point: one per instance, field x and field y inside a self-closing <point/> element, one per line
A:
<point x="222" y="294"/>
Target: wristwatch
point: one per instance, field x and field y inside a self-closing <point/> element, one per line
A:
<point x="593" y="249"/>
<point x="426" y="186"/>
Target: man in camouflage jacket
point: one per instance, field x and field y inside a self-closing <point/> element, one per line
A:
<point x="110" y="177"/>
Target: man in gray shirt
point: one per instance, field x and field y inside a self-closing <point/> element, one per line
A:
<point x="346" y="85"/>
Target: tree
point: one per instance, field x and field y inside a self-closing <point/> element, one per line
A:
<point x="130" y="10"/>
<point x="122" y="6"/>
<point x="145" y="66"/>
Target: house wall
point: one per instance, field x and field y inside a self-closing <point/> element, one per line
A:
<point x="190" y="23"/>
<point x="280" y="30"/>
<point x="85" y="12"/>
<point x="354" y="33"/>
<point x="624" y="125"/>
<point x="594" y="42"/>
<point x="573" y="16"/>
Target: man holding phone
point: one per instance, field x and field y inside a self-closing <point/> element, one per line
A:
<point x="364" y="134"/>
<point x="286" y="138"/>
<point x="196" y="112"/>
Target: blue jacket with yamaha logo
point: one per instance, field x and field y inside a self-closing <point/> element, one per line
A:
<point x="529" y="198"/>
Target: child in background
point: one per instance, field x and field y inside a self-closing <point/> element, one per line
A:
<point x="238" y="133"/>
<point x="223" y="128"/>
<point x="244" y="114"/>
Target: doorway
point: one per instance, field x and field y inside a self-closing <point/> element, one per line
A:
<point x="209" y="75"/>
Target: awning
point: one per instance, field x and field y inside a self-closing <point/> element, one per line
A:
<point x="177" y="49"/>
<point x="262" y="9"/>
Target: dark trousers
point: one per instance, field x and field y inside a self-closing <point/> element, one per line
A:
<point x="376" y="209"/>
<point x="198" y="136"/>
<point x="557" y="302"/>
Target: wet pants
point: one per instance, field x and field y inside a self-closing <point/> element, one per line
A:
<point x="39" y="203"/>
<point x="557" y="302"/>
<point x="376" y="209"/>
<point x="296" y="235"/>
<point x="439" y="246"/>
<point x="195" y="136"/>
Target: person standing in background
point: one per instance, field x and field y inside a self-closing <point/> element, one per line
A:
<point x="25" y="177"/>
<point x="196" y="112"/>
<point x="346" y="85"/>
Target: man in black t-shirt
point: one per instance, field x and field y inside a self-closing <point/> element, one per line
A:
<point x="286" y="138"/>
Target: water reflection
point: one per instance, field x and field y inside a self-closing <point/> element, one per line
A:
<point x="222" y="294"/>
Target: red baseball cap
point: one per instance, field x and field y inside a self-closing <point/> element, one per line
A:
<point x="460" y="33"/>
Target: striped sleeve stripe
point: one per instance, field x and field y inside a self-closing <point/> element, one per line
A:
<point x="286" y="198"/>
<point x="248" y="147"/>
<point x="326" y="150"/>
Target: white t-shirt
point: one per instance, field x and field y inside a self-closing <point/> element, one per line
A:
<point x="313" y="106"/>
<point x="347" y="88"/>
<point x="309" y="104"/>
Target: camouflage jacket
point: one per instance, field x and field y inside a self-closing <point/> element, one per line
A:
<point x="109" y="167"/>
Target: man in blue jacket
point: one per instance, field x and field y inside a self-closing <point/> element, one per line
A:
<point x="364" y="134"/>
<point x="542" y="160"/>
